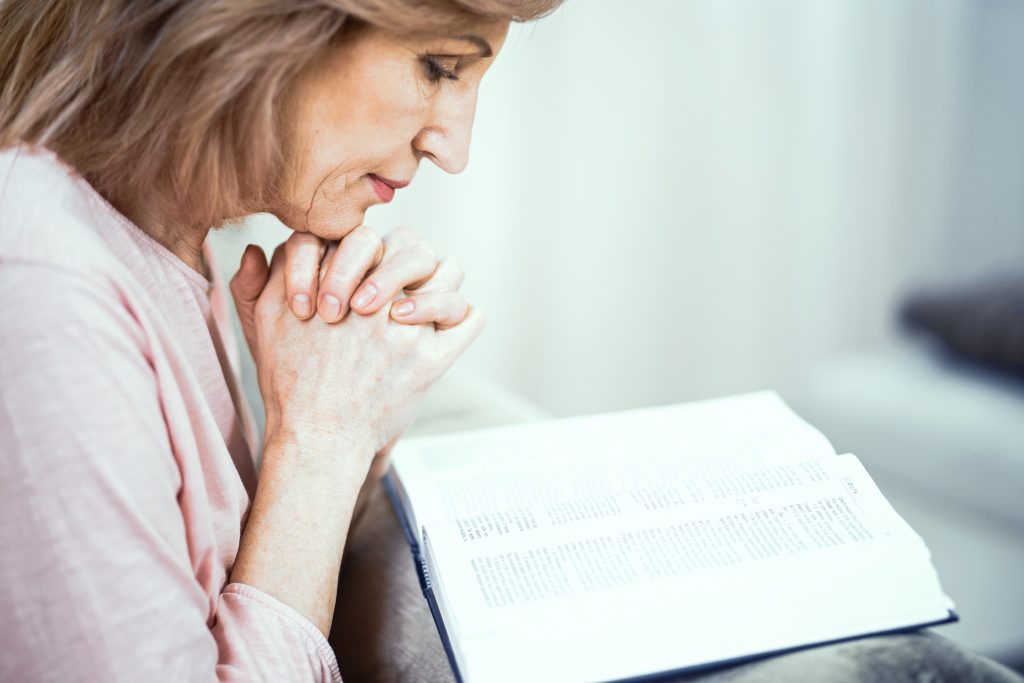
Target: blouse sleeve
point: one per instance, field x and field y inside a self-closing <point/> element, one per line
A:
<point x="95" y="577"/>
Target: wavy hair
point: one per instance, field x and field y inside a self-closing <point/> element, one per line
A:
<point x="179" y="100"/>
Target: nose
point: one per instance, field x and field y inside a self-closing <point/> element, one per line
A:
<point x="446" y="136"/>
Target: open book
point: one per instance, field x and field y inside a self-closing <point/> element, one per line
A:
<point x="659" y="540"/>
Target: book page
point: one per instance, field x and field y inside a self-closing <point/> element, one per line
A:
<point x="520" y="500"/>
<point x="518" y="479"/>
<point x="675" y="586"/>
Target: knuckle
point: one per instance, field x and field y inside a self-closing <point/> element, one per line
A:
<point x="344" y="271"/>
<point x="363" y="237"/>
<point x="454" y="268"/>
<point x="301" y="272"/>
<point x="338" y="282"/>
<point x="301" y="241"/>
<point x="401" y="234"/>
<point x="262" y="310"/>
<point x="300" y="278"/>
<point x="425" y="250"/>
<point x="427" y="305"/>
<point x="359" y="232"/>
<point x="236" y="288"/>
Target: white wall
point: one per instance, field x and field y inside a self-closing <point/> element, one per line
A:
<point x="673" y="199"/>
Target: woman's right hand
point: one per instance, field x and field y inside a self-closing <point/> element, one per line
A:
<point x="361" y="378"/>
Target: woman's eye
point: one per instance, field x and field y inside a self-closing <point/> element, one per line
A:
<point x="438" y="68"/>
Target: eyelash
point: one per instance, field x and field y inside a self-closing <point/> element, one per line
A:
<point x="436" y="71"/>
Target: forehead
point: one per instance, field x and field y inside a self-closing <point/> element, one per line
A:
<point x="369" y="50"/>
<point x="480" y="38"/>
<point x="369" y="67"/>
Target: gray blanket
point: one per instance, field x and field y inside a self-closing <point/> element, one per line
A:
<point x="921" y="657"/>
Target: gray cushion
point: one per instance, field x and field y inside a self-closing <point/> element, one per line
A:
<point x="982" y="322"/>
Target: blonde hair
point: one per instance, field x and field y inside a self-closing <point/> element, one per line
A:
<point x="178" y="100"/>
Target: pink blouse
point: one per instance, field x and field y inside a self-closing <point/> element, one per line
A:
<point x="126" y="456"/>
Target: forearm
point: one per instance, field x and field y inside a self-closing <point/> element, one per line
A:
<point x="378" y="468"/>
<point x="295" y="535"/>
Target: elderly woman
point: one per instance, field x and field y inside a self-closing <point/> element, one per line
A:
<point x="138" y="543"/>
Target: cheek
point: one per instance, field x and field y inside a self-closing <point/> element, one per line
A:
<point x="337" y="184"/>
<point x="361" y="139"/>
<point x="321" y="173"/>
<point x="384" y="114"/>
<point x="338" y="139"/>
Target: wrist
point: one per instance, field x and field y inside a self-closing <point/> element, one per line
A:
<point x="295" y="533"/>
<point x="317" y="450"/>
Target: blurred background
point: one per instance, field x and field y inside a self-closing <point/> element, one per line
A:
<point x="677" y="199"/>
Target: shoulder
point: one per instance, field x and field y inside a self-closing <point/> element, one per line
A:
<point x="53" y="316"/>
<point x="62" y="251"/>
<point x="55" y="268"/>
<point x="50" y="216"/>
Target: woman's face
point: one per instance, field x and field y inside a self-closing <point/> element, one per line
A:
<point x="363" y="116"/>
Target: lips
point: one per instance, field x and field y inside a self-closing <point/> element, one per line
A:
<point x="385" y="187"/>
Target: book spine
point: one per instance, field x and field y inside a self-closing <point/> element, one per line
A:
<point x="426" y="585"/>
<point x="425" y="582"/>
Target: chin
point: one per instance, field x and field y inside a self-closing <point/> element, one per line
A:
<point x="328" y="223"/>
<point x="335" y="230"/>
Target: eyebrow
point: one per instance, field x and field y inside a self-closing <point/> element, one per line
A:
<point x="485" y="48"/>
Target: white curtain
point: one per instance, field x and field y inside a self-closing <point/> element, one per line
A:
<point x="674" y="199"/>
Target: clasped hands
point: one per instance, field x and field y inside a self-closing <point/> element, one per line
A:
<point x="347" y="336"/>
<point x="362" y="272"/>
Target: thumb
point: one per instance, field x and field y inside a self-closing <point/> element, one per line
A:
<point x="246" y="287"/>
<point x="251" y="278"/>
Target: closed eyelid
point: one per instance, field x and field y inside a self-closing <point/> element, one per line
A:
<point x="447" y="60"/>
<point x="483" y="49"/>
<point x="454" y="61"/>
<point x="463" y="58"/>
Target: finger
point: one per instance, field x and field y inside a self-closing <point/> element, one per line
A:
<point x="277" y="260"/>
<point x="275" y="282"/>
<point x="358" y="253"/>
<point x="303" y="252"/>
<point x="448" y="277"/>
<point x="411" y="267"/>
<point x="251" y="278"/>
<point x="332" y="248"/>
<point x="246" y="287"/>
<point x="457" y="339"/>
<point x="397" y="240"/>
<point x="444" y="309"/>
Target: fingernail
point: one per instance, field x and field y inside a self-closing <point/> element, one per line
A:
<point x="300" y="304"/>
<point x="403" y="308"/>
<point x="330" y="308"/>
<point x="364" y="296"/>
